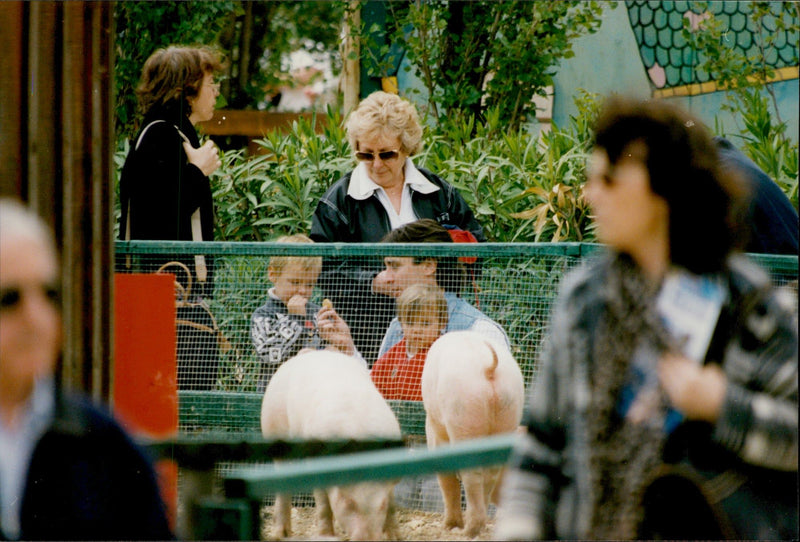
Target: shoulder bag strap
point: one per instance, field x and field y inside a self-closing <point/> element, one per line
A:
<point x="197" y="232"/>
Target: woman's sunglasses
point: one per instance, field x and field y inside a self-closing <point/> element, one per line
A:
<point x="385" y="156"/>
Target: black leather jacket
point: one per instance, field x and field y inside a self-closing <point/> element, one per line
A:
<point x="341" y="218"/>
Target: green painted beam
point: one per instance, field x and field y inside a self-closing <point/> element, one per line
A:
<point x="210" y="409"/>
<point x="226" y="248"/>
<point x="204" y="450"/>
<point x="483" y="250"/>
<point x="260" y="481"/>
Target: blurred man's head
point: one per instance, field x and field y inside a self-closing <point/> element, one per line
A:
<point x="30" y="316"/>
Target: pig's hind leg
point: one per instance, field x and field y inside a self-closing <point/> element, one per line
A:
<point x="282" y="516"/>
<point x="448" y="482"/>
<point x="451" y="493"/>
<point x="475" y="485"/>
<point x="324" y="513"/>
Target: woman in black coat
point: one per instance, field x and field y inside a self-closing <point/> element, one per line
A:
<point x="164" y="181"/>
<point x="164" y="187"/>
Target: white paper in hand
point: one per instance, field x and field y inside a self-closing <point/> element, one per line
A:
<point x="690" y="306"/>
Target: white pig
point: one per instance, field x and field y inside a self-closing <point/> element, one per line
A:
<point x="328" y="395"/>
<point x="471" y="387"/>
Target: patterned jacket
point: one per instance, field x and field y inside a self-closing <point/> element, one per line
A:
<point x="546" y="491"/>
<point x="278" y="335"/>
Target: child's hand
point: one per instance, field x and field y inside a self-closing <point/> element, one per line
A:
<point x="297" y="305"/>
<point x="335" y="331"/>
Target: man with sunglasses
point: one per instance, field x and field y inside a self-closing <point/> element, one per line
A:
<point x="67" y="470"/>
<point x="385" y="191"/>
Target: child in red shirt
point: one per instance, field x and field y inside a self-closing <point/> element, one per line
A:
<point x="422" y="311"/>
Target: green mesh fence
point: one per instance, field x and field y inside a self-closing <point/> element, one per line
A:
<point x="513" y="285"/>
<point x="225" y="362"/>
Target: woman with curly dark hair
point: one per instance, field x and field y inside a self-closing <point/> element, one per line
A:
<point x="666" y="402"/>
<point x="165" y="192"/>
<point x="165" y="178"/>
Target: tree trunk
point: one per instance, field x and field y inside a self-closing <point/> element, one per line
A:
<point x="350" y="54"/>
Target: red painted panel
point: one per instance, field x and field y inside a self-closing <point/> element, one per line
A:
<point x="145" y="387"/>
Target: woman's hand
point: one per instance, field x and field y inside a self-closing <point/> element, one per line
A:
<point x="335" y="331"/>
<point x="206" y="157"/>
<point x="697" y="391"/>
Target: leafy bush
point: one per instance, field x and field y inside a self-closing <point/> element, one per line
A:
<point x="522" y="187"/>
<point x="476" y="56"/>
<point x="275" y="193"/>
<point x="254" y="37"/>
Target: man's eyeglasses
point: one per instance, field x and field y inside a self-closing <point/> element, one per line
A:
<point x="385" y="156"/>
<point x="11" y="297"/>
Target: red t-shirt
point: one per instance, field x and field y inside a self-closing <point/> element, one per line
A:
<point x="397" y="376"/>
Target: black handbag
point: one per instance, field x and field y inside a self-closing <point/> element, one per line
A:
<point x="199" y="340"/>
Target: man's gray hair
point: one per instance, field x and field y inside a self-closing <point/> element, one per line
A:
<point x="17" y="220"/>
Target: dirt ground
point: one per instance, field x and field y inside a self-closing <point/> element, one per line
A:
<point x="411" y="525"/>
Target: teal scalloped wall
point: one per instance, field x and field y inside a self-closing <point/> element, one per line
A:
<point x="611" y="60"/>
<point x="670" y="59"/>
<point x="640" y="41"/>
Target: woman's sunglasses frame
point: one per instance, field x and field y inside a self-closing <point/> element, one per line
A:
<point x="385" y="156"/>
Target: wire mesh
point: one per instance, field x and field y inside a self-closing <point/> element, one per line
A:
<point x="260" y="303"/>
<point x="236" y="328"/>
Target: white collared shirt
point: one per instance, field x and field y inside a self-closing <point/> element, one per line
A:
<point x="362" y="187"/>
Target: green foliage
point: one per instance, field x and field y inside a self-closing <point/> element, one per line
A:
<point x="233" y="306"/>
<point x="275" y="193"/>
<point x="765" y="141"/>
<point x="526" y="325"/>
<point x="269" y="31"/>
<point x="253" y="36"/>
<point x="143" y="27"/>
<point x="521" y="186"/>
<point x="745" y="78"/>
<point x="476" y="56"/>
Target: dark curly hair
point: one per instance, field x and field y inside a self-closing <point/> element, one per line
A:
<point x="706" y="202"/>
<point x="174" y="73"/>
